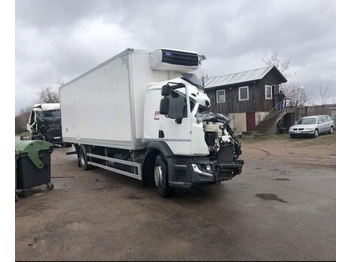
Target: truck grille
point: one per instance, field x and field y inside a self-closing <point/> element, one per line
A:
<point x="53" y="127"/>
<point x="225" y="154"/>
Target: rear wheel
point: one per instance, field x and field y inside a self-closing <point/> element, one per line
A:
<point x="27" y="192"/>
<point x="50" y="186"/>
<point x="331" y="130"/>
<point x="161" y="178"/>
<point x="82" y="158"/>
<point x="316" y="133"/>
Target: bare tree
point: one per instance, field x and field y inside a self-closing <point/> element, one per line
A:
<point x="281" y="64"/>
<point x="295" y="93"/>
<point x="47" y="95"/>
<point x="327" y="93"/>
<point x="21" y="120"/>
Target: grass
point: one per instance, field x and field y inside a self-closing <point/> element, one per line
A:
<point x="326" y="139"/>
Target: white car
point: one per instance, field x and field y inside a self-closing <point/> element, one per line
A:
<point x="312" y="126"/>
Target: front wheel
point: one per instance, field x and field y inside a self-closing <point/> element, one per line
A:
<point x="316" y="133"/>
<point x="161" y="178"/>
<point x="82" y="158"/>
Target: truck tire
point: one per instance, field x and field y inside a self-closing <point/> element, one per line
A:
<point x="50" y="186"/>
<point x="161" y="177"/>
<point x="82" y="158"/>
<point x="27" y="192"/>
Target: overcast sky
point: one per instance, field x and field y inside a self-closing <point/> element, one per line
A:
<point x="58" y="40"/>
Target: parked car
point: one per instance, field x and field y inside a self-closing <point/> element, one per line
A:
<point x="312" y="126"/>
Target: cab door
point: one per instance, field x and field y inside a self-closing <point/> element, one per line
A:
<point x="175" y="127"/>
<point x="31" y="121"/>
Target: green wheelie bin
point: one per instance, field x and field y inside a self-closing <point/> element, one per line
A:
<point x="16" y="157"/>
<point x="33" y="166"/>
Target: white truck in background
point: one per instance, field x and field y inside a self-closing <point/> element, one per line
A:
<point x="44" y="123"/>
<point x="145" y="115"/>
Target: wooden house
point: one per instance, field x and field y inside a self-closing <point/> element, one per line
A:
<point x="247" y="96"/>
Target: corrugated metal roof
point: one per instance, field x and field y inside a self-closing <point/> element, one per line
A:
<point x="251" y="75"/>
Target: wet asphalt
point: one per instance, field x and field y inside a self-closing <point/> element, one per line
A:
<point x="274" y="210"/>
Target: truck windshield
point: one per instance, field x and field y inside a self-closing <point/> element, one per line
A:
<point x="193" y="79"/>
<point x="178" y="104"/>
<point x="48" y="114"/>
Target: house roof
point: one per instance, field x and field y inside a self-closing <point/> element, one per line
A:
<point x="246" y="76"/>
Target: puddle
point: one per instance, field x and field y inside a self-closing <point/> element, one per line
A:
<point x="131" y="196"/>
<point x="270" y="197"/>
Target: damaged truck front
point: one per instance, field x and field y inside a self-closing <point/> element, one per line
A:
<point x="195" y="145"/>
<point x="45" y="123"/>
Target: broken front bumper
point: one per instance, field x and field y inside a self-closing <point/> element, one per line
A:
<point x="200" y="172"/>
<point x="213" y="172"/>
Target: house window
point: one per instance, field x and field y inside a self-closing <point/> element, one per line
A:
<point x="220" y="96"/>
<point x="268" y="92"/>
<point x="243" y="93"/>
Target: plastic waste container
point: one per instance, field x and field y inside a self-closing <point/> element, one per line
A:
<point x="16" y="157"/>
<point x="33" y="165"/>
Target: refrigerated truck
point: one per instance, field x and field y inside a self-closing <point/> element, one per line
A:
<point x="144" y="114"/>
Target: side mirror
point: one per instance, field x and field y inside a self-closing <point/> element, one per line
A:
<point x="164" y="106"/>
<point x="166" y="89"/>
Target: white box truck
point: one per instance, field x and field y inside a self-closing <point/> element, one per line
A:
<point x="145" y="115"/>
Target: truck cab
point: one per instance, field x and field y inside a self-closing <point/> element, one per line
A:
<point x="194" y="146"/>
<point x="45" y="123"/>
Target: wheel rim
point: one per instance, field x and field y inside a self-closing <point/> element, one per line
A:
<point x="158" y="176"/>
<point x="82" y="157"/>
<point x="82" y="161"/>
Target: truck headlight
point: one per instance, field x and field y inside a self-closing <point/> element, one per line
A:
<point x="208" y="167"/>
